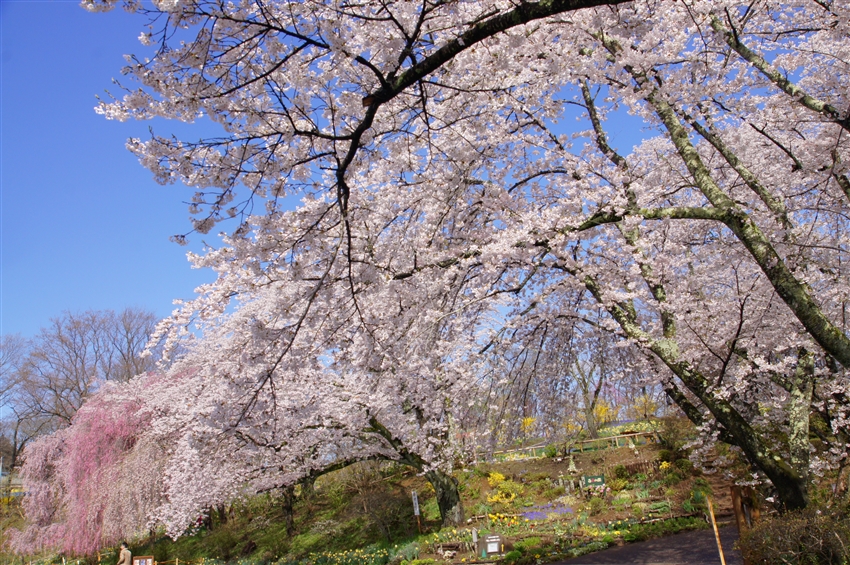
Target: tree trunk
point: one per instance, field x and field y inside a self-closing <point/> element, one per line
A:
<point x="592" y="426"/>
<point x="308" y="487"/>
<point x="288" y="503"/>
<point x="790" y="485"/>
<point x="448" y="497"/>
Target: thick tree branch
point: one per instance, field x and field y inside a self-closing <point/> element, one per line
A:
<point x="793" y="292"/>
<point x="780" y="80"/>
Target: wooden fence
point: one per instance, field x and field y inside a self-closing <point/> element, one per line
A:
<point x="636" y="438"/>
<point x="621" y="440"/>
<point x="531" y="451"/>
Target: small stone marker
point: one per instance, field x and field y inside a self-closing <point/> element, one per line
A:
<point x="493" y="544"/>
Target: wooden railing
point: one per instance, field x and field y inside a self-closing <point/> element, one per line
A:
<point x="621" y="440"/>
<point x="637" y="438"/>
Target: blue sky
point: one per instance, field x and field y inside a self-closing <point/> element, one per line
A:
<point x="82" y="224"/>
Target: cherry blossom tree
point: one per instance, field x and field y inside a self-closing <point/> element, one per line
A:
<point x="444" y="202"/>
<point x="93" y="483"/>
<point x="564" y="371"/>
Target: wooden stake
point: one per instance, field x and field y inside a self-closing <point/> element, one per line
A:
<point x="716" y="533"/>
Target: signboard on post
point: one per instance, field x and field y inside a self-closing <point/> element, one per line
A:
<point x="416" y="510"/>
<point x="592" y="481"/>
<point x="491" y="545"/>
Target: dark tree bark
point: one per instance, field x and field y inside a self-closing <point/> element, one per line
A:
<point x="448" y="497"/>
<point x="288" y="506"/>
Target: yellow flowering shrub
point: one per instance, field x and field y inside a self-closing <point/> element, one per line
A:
<point x="507" y="490"/>
<point x="495" y="478"/>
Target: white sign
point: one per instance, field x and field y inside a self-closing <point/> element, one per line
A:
<point x="415" y="504"/>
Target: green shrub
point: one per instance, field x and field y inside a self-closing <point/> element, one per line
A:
<point x="673" y="479"/>
<point x="666" y="455"/>
<point x="814" y="536"/>
<point x="513" y="556"/>
<point x="589" y="548"/>
<point x="483" y="509"/>
<point x="536" y="477"/>
<point x="641" y="532"/>
<point x="618" y="484"/>
<point x="305" y="543"/>
<point x="621" y="472"/>
<point x="554" y="492"/>
<point x="662" y="507"/>
<point x="550" y="451"/>
<point x="596" y="505"/>
<point x="685" y="465"/>
<point x="675" y="433"/>
<point x="527" y="544"/>
<point x="408" y="551"/>
<point x="702" y="486"/>
<point x="430" y="509"/>
<point x="480" y="472"/>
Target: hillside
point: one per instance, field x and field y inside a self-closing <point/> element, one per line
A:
<point x="364" y="514"/>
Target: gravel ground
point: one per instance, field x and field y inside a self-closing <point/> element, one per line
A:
<point x="689" y="548"/>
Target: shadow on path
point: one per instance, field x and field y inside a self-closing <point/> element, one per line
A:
<point x="689" y="548"/>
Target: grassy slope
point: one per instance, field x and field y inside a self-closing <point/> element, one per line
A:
<point x="369" y="506"/>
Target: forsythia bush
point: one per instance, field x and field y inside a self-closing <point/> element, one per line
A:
<point x="494" y="479"/>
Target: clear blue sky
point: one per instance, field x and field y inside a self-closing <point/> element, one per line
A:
<point x="82" y="224"/>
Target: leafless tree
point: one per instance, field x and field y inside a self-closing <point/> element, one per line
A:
<point x="46" y="379"/>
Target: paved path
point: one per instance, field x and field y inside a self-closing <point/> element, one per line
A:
<point x="688" y="548"/>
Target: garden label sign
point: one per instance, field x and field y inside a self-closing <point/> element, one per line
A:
<point x="593" y="481"/>
<point x="491" y="545"/>
<point x="415" y="503"/>
<point x="143" y="560"/>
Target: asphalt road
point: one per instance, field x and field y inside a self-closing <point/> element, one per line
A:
<point x="689" y="548"/>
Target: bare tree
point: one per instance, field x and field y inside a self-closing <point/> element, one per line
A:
<point x="13" y="349"/>
<point x="127" y="333"/>
<point x="46" y="379"/>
